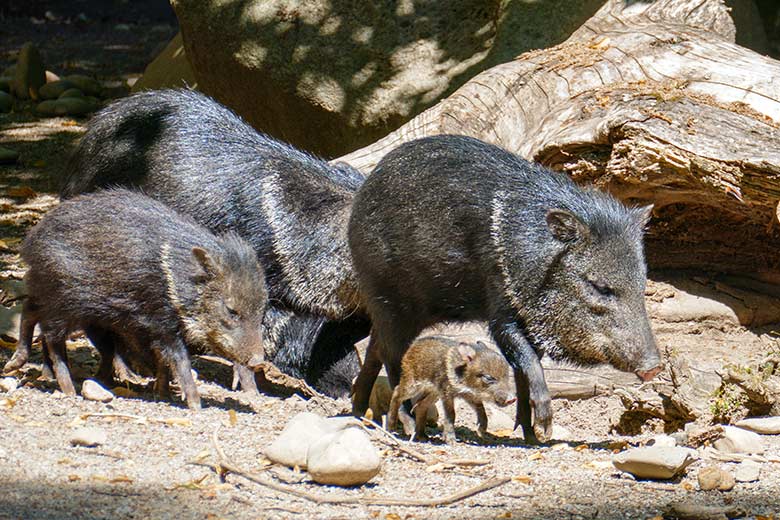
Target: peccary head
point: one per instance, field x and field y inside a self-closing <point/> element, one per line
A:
<point x="579" y="288"/>
<point x="478" y="371"/>
<point x="232" y="298"/>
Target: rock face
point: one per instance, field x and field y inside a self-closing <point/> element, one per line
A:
<point x="171" y="69"/>
<point x="654" y="462"/>
<point x="331" y="77"/>
<point x="30" y="73"/>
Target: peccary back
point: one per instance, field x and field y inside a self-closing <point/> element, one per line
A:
<point x="198" y="157"/>
<point x="450" y="228"/>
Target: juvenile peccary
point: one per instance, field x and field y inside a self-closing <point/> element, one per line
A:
<point x="450" y="228"/>
<point x="436" y="368"/>
<point x="120" y="262"/>
<point x="200" y="158"/>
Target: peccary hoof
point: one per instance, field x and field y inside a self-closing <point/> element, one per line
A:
<point x="16" y="362"/>
<point x="543" y="431"/>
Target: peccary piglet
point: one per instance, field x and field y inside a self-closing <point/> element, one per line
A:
<point x="436" y="368"/>
<point x="198" y="157"/>
<point x="119" y="262"/>
<point x="450" y="228"/>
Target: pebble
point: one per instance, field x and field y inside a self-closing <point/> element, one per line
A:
<point x="762" y="425"/>
<point x="654" y="462"/>
<point x="6" y="102"/>
<point x="54" y="89"/>
<point x="71" y="106"/>
<point x="747" y="471"/>
<point x="737" y="440"/>
<point x="713" y="477"/>
<point x="343" y="458"/>
<point x="8" y="384"/>
<point x="8" y="156"/>
<point x="292" y="445"/>
<point x="93" y="391"/>
<point x="88" y="437"/>
<point x="30" y="74"/>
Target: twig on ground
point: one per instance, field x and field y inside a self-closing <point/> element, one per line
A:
<point x="224" y="466"/>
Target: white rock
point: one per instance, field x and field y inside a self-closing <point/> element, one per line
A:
<point x="747" y="471"/>
<point x="665" y="441"/>
<point x="737" y="440"/>
<point x="343" y="458"/>
<point x="654" y="462"/>
<point x="92" y="391"/>
<point x="763" y="425"/>
<point x="560" y="433"/>
<point x="8" y="384"/>
<point x="89" y="437"/>
<point x="292" y="445"/>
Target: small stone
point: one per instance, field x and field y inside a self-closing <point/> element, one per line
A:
<point x="762" y="425"/>
<point x="6" y="102"/>
<point x="55" y="89"/>
<point x="680" y="438"/>
<point x="30" y="74"/>
<point x="560" y="433"/>
<point x="737" y="440"/>
<point x="654" y="462"/>
<point x="73" y="106"/>
<point x="8" y="384"/>
<point x="713" y="477"/>
<point x="88" y="437"/>
<point x="51" y="76"/>
<point x="71" y="92"/>
<point x="92" y="391"/>
<point x="8" y="156"/>
<point x="343" y="458"/>
<point x="666" y="441"/>
<point x="747" y="471"/>
<point x="89" y="86"/>
<point x="46" y="108"/>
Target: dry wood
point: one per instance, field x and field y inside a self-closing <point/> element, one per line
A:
<point x="654" y="102"/>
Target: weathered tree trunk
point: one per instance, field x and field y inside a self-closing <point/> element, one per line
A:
<point x="655" y="103"/>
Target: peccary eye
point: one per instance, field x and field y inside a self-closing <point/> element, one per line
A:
<point x="602" y="289"/>
<point x="232" y="313"/>
<point x="488" y="379"/>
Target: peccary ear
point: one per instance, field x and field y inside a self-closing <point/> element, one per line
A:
<point x="206" y="262"/>
<point x="565" y="226"/>
<point x="467" y="353"/>
<point x="643" y="215"/>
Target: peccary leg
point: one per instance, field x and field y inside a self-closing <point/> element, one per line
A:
<point x="421" y="415"/>
<point x="180" y="365"/>
<point x="59" y="358"/>
<point x="47" y="371"/>
<point x="482" y="419"/>
<point x="103" y="341"/>
<point x="24" y="346"/>
<point x="365" y="380"/>
<point x="244" y="377"/>
<point x="532" y="393"/>
<point x="162" y="382"/>
<point x="448" y="422"/>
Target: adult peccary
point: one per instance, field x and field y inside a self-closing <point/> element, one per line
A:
<point x="198" y="157"/>
<point x="436" y="367"/>
<point x="450" y="228"/>
<point x="120" y="262"/>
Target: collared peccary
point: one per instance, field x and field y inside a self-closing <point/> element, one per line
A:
<point x="198" y="157"/>
<point x="436" y="367"/>
<point x="122" y="263"/>
<point x="450" y="228"/>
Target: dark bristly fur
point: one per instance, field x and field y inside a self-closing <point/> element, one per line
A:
<point x="142" y="279"/>
<point x="198" y="157"/>
<point x="450" y="228"/>
<point x="436" y="367"/>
